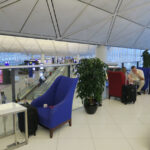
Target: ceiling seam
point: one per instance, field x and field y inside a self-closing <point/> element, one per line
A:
<point x="135" y="7"/>
<point x="98" y="30"/>
<point x="130" y="2"/>
<point x="88" y="3"/>
<point x="112" y="13"/>
<point x="140" y="34"/>
<point x="88" y="26"/>
<point x="3" y="47"/>
<point x="21" y="45"/>
<point x="3" y="1"/>
<point x="51" y="18"/>
<point x="39" y="45"/>
<point x="133" y="21"/>
<point x="10" y="4"/>
<point x="113" y="20"/>
<point x="81" y="41"/>
<point x="81" y="12"/>
<point x="28" y="16"/>
<point x="54" y="46"/>
<point x="55" y="18"/>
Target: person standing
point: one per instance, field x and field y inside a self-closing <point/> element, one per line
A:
<point x="137" y="77"/>
<point x="3" y="97"/>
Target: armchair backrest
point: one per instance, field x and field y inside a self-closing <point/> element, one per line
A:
<point x="116" y="81"/>
<point x="61" y="88"/>
<point x="65" y="87"/>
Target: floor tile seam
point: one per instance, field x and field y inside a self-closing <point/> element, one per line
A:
<point x="57" y="140"/>
<point x="126" y="139"/>
<point x="92" y="138"/>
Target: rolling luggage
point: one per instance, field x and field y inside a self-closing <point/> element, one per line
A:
<point x="32" y="120"/>
<point x="128" y="94"/>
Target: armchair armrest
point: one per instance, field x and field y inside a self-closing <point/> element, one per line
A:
<point x="60" y="113"/>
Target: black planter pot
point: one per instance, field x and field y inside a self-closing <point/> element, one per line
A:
<point x="90" y="109"/>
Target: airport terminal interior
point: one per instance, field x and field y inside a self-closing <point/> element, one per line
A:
<point x="74" y="74"/>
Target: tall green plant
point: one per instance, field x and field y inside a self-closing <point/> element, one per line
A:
<point x="92" y="78"/>
<point x="146" y="59"/>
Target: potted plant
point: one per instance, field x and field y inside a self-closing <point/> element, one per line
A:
<point x="146" y="59"/>
<point x="91" y="83"/>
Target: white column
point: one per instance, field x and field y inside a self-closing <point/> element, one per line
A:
<point x="42" y="58"/>
<point x="101" y="53"/>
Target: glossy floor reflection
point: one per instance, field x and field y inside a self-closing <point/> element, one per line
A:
<point x="115" y="126"/>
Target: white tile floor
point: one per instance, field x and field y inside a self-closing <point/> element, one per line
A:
<point x="115" y="126"/>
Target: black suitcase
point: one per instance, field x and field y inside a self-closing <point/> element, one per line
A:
<point x="32" y="120"/>
<point x="128" y="94"/>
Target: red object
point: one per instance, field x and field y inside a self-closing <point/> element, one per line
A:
<point x="116" y="81"/>
<point x="1" y="76"/>
<point x="51" y="107"/>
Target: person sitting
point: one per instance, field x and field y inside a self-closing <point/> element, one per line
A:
<point x="124" y="70"/>
<point x="136" y="77"/>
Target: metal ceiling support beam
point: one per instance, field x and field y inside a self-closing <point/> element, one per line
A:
<point x="29" y="15"/>
<point x="49" y="9"/>
<point x="9" y="4"/>
<point x="113" y="20"/>
<point x="56" y="18"/>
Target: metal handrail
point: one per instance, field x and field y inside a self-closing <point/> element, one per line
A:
<point x="36" y="66"/>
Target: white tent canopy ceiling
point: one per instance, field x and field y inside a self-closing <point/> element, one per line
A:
<point x="122" y="23"/>
<point x="48" y="47"/>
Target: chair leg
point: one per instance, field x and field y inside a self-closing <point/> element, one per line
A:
<point x="109" y="97"/>
<point x="70" y="123"/>
<point x="51" y="133"/>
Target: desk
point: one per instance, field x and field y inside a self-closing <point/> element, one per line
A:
<point x="14" y="108"/>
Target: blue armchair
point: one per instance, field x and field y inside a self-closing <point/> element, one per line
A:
<point x="59" y="98"/>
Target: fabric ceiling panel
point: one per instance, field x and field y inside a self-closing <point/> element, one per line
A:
<point x="83" y="49"/>
<point x="61" y="48"/>
<point x="40" y="46"/>
<point x="10" y="44"/>
<point x="102" y="22"/>
<point x="12" y="17"/>
<point x="40" y="22"/>
<point x="124" y="33"/>
<point x="73" y="49"/>
<point x="95" y="33"/>
<point x="29" y="45"/>
<point x="108" y="5"/>
<point x="143" y="42"/>
<point x="88" y="18"/>
<point x="67" y="11"/>
<point x="136" y="10"/>
<point x="47" y="47"/>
